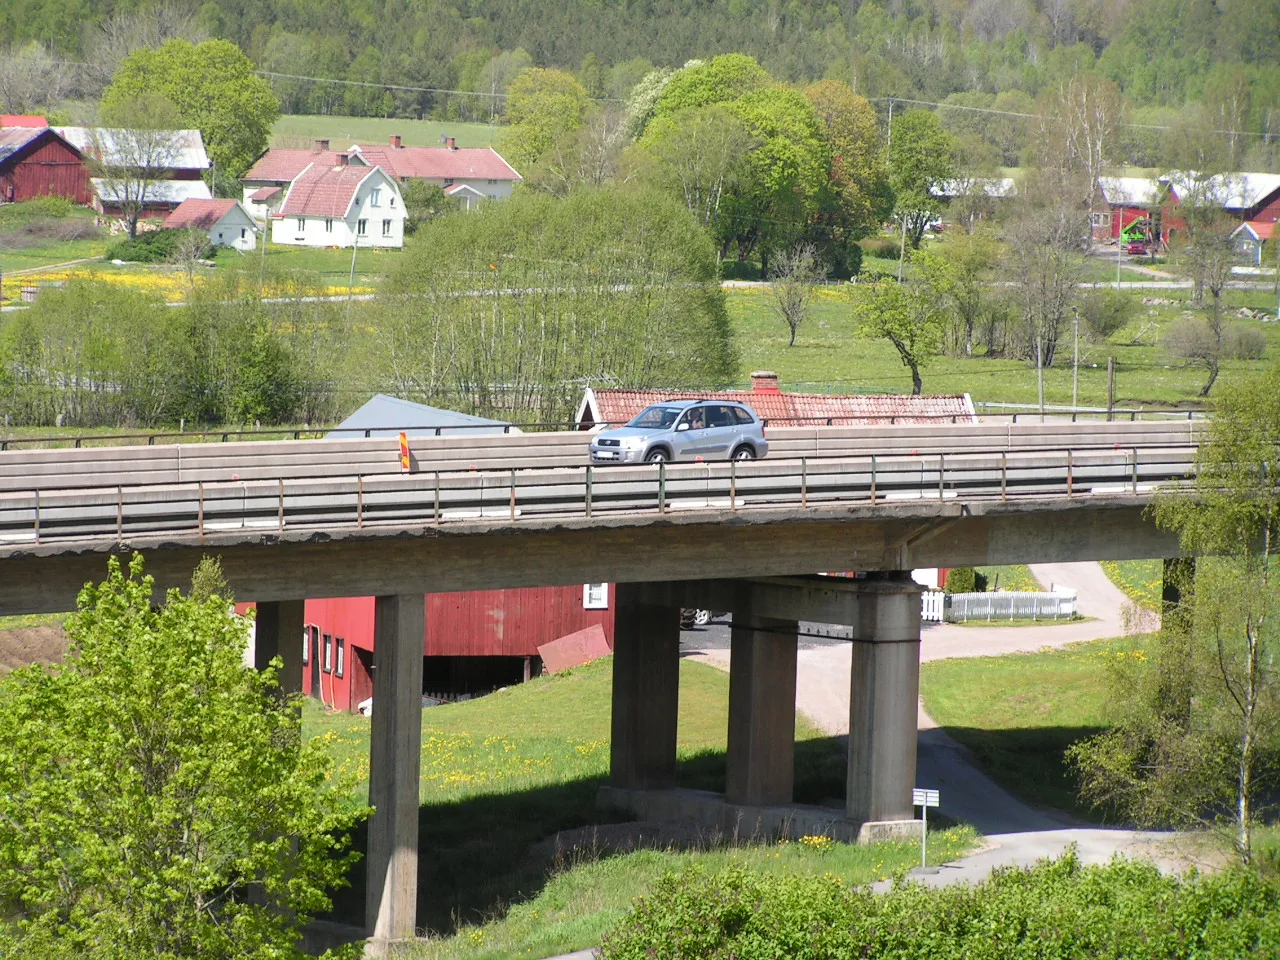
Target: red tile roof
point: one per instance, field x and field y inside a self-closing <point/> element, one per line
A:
<point x="201" y="214"/>
<point x="791" y="409"/>
<point x="321" y="191"/>
<point x="430" y="163"/>
<point x="22" y="120"/>
<point x="264" y="193"/>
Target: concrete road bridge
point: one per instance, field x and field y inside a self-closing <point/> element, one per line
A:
<point x="303" y="519"/>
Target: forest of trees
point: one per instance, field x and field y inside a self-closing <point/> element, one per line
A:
<point x="1002" y="54"/>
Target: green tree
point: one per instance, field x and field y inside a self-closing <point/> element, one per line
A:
<point x="920" y="157"/>
<point x="592" y="75"/>
<point x="719" y="80"/>
<point x="542" y="105"/>
<point x="858" y="174"/>
<point x="156" y="798"/>
<point x="423" y="202"/>
<point x="214" y="89"/>
<point x="1199" y="736"/>
<point x="959" y="270"/>
<point x="515" y="306"/>
<point x="907" y="317"/>
<point x="700" y="152"/>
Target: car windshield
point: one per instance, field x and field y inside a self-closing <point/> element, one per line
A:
<point x="657" y="417"/>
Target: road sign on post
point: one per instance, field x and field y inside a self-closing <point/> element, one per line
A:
<point x="924" y="799"/>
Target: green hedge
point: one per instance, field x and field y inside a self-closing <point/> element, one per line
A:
<point x="965" y="580"/>
<point x="155" y="246"/>
<point x="1057" y="910"/>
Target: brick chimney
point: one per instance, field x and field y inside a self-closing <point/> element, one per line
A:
<point x="321" y="146"/>
<point x="451" y="143"/>
<point x="764" y="381"/>
<point x="342" y="159"/>
<point x="397" y="141"/>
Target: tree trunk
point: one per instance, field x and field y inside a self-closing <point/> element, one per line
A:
<point x="1213" y="375"/>
<point x="793" y="335"/>
<point x="917" y="385"/>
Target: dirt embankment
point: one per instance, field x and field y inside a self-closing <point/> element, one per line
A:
<point x="23" y="645"/>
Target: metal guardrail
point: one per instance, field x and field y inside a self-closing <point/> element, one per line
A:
<point x="508" y="496"/>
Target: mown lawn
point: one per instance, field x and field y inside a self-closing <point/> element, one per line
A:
<point x="831" y="356"/>
<point x="1017" y="577"/>
<point x="1019" y="713"/>
<point x="505" y="771"/>
<point x="1142" y="581"/>
<point x="343" y="131"/>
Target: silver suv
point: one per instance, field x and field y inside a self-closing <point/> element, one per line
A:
<point x="684" y="430"/>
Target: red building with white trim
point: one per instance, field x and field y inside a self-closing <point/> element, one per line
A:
<point x="38" y="162"/>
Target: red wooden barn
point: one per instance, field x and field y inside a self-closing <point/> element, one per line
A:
<point x="37" y="162"/>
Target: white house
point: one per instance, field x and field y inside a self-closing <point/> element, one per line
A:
<point x="341" y="205"/>
<point x="472" y="173"/>
<point x="227" y="222"/>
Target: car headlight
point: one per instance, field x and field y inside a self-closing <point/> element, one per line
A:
<point x="634" y="443"/>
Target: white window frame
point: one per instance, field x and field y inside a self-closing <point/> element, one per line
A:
<point x="327" y="664"/>
<point x="328" y="224"/>
<point x="595" y="596"/>
<point x="386" y="228"/>
<point x="302" y="224"/>
<point x="362" y="228"/>
<point x="340" y="656"/>
<point x="306" y="645"/>
<point x="393" y="201"/>
<point x="375" y="197"/>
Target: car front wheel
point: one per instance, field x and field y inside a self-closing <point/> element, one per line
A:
<point x="744" y="453"/>
<point x="656" y="456"/>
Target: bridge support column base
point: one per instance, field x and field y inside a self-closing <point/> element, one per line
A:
<point x="278" y="632"/>
<point x="646" y="691"/>
<point x="395" y="756"/>
<point x="722" y="820"/>
<point x="883" y="695"/>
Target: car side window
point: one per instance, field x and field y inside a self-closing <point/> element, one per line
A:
<point x="696" y="417"/>
<point x="719" y="416"/>
<point x="742" y="416"/>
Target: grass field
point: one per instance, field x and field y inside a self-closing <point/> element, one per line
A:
<point x="1017" y="577"/>
<point x="831" y="356"/>
<point x="1142" y="581"/>
<point x="343" y="131"/>
<point x="502" y="772"/>
<point x="1019" y="713"/>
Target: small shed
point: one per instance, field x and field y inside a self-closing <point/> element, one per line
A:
<point x="37" y="162"/>
<point x="226" y="222"/>
<point x="1251" y="236"/>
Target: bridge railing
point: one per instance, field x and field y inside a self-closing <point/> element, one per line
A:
<point x="199" y="509"/>
<point x="27" y="470"/>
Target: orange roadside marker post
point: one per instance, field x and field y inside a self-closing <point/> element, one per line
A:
<point x="404" y="452"/>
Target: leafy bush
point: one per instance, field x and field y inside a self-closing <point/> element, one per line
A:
<point x="37" y="208"/>
<point x="1056" y="910"/>
<point x="1105" y="312"/>
<point x="155" y="246"/>
<point x="1240" y="341"/>
<point x="965" y="580"/>
<point x="881" y="247"/>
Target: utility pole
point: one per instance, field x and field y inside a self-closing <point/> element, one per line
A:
<point x="1075" y="364"/>
<point x="888" y="140"/>
<point x="351" y="281"/>
<point x="1119" y="243"/>
<point x="1111" y="385"/>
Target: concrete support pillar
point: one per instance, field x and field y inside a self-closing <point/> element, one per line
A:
<point x="278" y="632"/>
<point x="646" y="691"/>
<point x="395" y="756"/>
<point x="883" y="693"/>
<point x="762" y="711"/>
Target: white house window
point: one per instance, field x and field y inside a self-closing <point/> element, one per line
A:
<point x="386" y="228"/>
<point x="362" y="227"/>
<point x="595" y="596"/>
<point x="328" y="225"/>
<point x="306" y="645"/>
<point x="493" y="181"/>
<point x="375" y="197"/>
<point x="302" y="224"/>
<point x="327" y="664"/>
<point x="341" y="663"/>
<point x="448" y="181"/>
<point x="1102" y="219"/>
<point x="392" y="201"/>
<point x="242" y="233"/>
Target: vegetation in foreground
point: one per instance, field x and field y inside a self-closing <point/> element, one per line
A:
<point x="1057" y="910"/>
<point x="156" y="798"/>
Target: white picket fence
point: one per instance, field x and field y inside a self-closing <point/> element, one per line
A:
<point x="1010" y="605"/>
<point x="932" y="604"/>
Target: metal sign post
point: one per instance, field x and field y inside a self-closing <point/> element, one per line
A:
<point x="924" y="799"/>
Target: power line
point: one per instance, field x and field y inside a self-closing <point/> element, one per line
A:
<point x="398" y="86"/>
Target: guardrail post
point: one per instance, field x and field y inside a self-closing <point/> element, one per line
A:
<point x="1135" y="469"/>
<point x="587" y="503"/>
<point x="437" y="510"/>
<point x="1069" y="473"/>
<point x="37" y="516"/>
<point x="733" y="485"/>
<point x="280" y="508"/>
<point x="1004" y="476"/>
<point x="873" y="479"/>
<point x="513" y="493"/>
<point x="942" y="466"/>
<point x="662" y="486"/>
<point x="804" y="481"/>
<point x="119" y="513"/>
<point x="200" y="508"/>
<point x="360" y="501"/>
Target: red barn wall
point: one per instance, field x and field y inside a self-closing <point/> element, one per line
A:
<point x="47" y="167"/>
<point x="1268" y="212"/>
